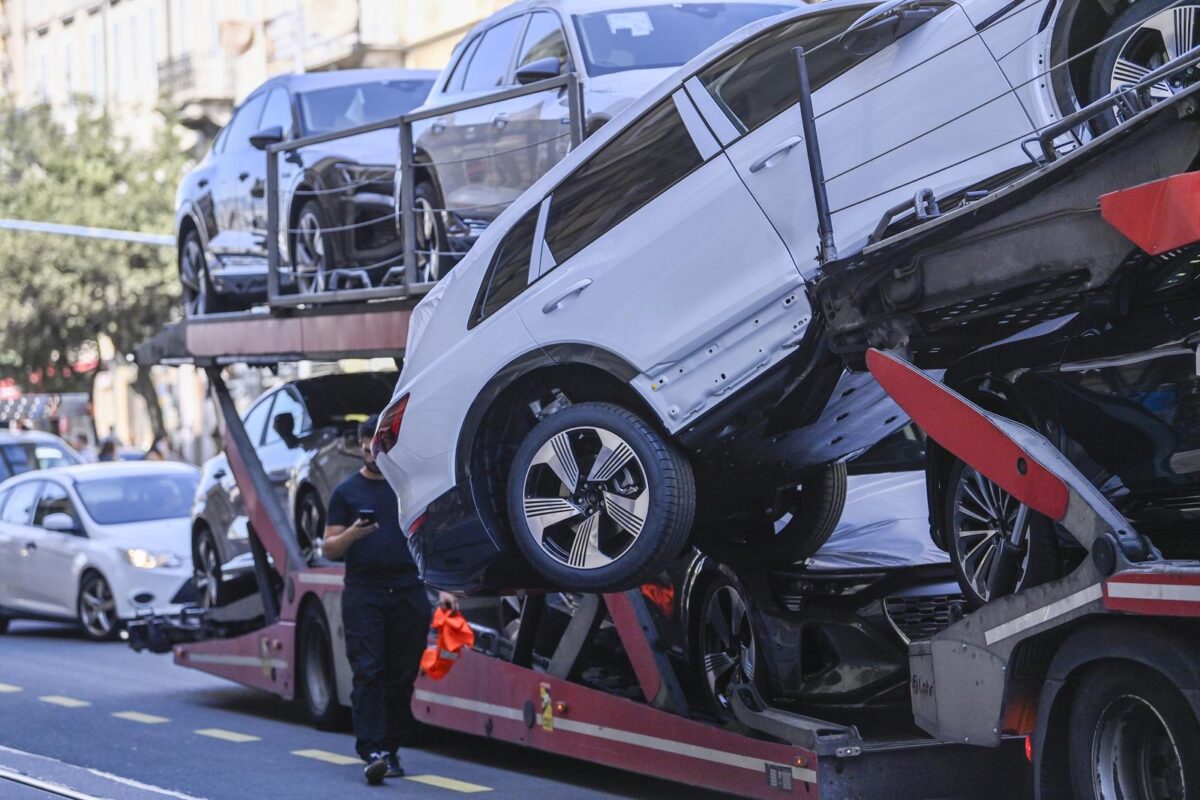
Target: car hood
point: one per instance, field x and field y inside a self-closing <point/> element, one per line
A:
<point x="157" y="536"/>
<point x="629" y="84"/>
<point x="884" y="524"/>
<point x="378" y="148"/>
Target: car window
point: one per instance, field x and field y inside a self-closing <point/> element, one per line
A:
<point x="54" y="500"/>
<point x="19" y="508"/>
<point x="758" y="80"/>
<point x="508" y="274"/>
<point x="544" y="39"/>
<point x="657" y="36"/>
<point x="245" y="124"/>
<point x="256" y="420"/>
<point x="3" y="500"/>
<point x="455" y="82"/>
<point x="637" y="165"/>
<point x="219" y="142"/>
<point x="489" y="63"/>
<point x="340" y="107"/>
<point x="286" y="403"/>
<point x="277" y="111"/>
<point x="139" y="498"/>
<point x="51" y="455"/>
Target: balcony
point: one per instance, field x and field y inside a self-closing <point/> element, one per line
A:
<point x="200" y="86"/>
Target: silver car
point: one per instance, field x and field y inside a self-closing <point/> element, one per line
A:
<point x="477" y="161"/>
<point x="305" y="434"/>
<point x="31" y="450"/>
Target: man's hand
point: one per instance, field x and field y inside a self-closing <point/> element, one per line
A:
<point x="448" y="601"/>
<point x="338" y="538"/>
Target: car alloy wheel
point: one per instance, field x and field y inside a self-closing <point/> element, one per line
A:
<point x="310" y="262"/>
<point x="727" y="646"/>
<point x="586" y="497"/>
<point x="97" y="607"/>
<point x="428" y="243"/>
<point x="310" y="524"/>
<point x="207" y="575"/>
<point x="1158" y="39"/>
<point x="990" y="536"/>
<point x="193" y="275"/>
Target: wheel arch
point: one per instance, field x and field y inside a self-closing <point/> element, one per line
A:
<point x="1078" y="25"/>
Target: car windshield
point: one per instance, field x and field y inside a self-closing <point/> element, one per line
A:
<point x="138" y="498"/>
<point x="646" y="37"/>
<point x="341" y="107"/>
<point x="26" y="456"/>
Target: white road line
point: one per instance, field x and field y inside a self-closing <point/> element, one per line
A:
<point x="227" y="736"/>
<point x="448" y="783"/>
<point x="8" y="688"/>
<point x="327" y="757"/>
<point x="45" y="786"/>
<point x="146" y="787"/>
<point x="65" y="702"/>
<point x="137" y="716"/>
<point x="1044" y="614"/>
<point x="73" y="793"/>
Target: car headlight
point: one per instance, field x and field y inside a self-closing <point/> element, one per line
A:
<point x="145" y="559"/>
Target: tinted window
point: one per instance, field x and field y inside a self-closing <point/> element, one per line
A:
<point x="244" y="124"/>
<point x="286" y="403"/>
<point x="19" y="508"/>
<point x="646" y="159"/>
<point x="278" y="111"/>
<point x="489" y="63"/>
<point x="543" y="39"/>
<point x="508" y="274"/>
<point x="256" y="420"/>
<point x="454" y="84"/>
<point x="54" y="500"/>
<point x="342" y="107"/>
<point x="758" y="80"/>
<point x="20" y="458"/>
<point x="141" y="498"/>
<point x="646" y="37"/>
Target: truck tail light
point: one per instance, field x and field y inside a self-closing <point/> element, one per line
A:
<point x="389" y="427"/>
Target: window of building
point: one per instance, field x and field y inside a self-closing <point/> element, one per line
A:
<point x="489" y="63"/>
<point x="508" y="274"/>
<point x="544" y="39"/>
<point x="97" y="58"/>
<point x="645" y="160"/>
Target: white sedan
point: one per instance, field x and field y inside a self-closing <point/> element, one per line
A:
<point x="96" y="543"/>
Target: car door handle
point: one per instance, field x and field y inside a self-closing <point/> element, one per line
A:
<point x="243" y="176"/>
<point x="202" y="182"/>
<point x="772" y="158"/>
<point x="219" y="473"/>
<point x="31" y="545"/>
<point x="557" y="302"/>
<point x="500" y="120"/>
<point x="439" y="125"/>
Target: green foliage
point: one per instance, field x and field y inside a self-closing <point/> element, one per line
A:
<point x="60" y="293"/>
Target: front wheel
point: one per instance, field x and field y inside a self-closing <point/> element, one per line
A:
<point x="97" y="608"/>
<point x="1133" y="736"/>
<point x="598" y="499"/>
<point x="310" y="524"/>
<point x="207" y="575"/>
<point x="317" y="679"/>
<point x="726" y="650"/>
<point x="310" y="250"/>
<point x="198" y="295"/>
<point x="431" y="245"/>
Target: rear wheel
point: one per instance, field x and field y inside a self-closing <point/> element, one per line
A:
<point x="206" y="575"/>
<point x="726" y="651"/>
<point x="310" y="523"/>
<point x="432" y="245"/>
<point x="599" y="501"/>
<point x="97" y="608"/>
<point x="1133" y="736"/>
<point x="310" y="256"/>
<point x="198" y="295"/>
<point x="317" y="679"/>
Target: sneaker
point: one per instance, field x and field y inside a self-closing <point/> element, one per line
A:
<point x="394" y="769"/>
<point x="376" y="768"/>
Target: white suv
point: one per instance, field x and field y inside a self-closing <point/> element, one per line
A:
<point x="628" y="356"/>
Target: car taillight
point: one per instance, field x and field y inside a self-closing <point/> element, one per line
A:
<point x="389" y="428"/>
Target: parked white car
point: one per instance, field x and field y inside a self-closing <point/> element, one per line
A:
<point x="96" y="543"/>
<point x="478" y="160"/>
<point x="630" y="347"/>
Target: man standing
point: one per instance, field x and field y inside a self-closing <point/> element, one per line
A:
<point x="385" y="611"/>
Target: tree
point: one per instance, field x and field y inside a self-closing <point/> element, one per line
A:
<point x="60" y="292"/>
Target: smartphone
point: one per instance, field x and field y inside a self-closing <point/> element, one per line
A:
<point x="367" y="515"/>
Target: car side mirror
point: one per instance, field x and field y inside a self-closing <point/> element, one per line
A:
<point x="285" y="425"/>
<point x="61" y="523"/>
<point x="541" y="70"/>
<point x="267" y="137"/>
<point x="886" y="23"/>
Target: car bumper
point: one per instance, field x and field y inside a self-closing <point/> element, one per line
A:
<point x="140" y="591"/>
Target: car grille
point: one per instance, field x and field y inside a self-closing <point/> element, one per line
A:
<point x="921" y="616"/>
<point x="186" y="594"/>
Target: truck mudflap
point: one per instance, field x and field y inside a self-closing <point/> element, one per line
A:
<point x="1010" y="255"/>
<point x="960" y="678"/>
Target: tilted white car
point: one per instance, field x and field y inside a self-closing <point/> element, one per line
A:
<point x="96" y="543"/>
<point x="628" y="356"/>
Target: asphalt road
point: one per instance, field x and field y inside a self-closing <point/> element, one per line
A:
<point x="105" y="722"/>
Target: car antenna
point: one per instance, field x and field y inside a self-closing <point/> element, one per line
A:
<point x="827" y="249"/>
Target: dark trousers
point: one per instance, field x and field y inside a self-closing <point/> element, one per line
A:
<point x="386" y="629"/>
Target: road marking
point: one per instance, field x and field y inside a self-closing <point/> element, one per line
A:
<point x="146" y="787"/>
<point x="449" y="783"/>
<point x="65" y="702"/>
<point x="228" y="736"/>
<point x="8" y="688"/>
<point x="56" y="789"/>
<point x="327" y="757"/>
<point x="137" y="716"/>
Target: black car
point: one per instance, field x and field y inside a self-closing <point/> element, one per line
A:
<point x="1115" y="388"/>
<point x="337" y="199"/>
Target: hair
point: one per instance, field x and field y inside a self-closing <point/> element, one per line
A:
<point x="366" y="428"/>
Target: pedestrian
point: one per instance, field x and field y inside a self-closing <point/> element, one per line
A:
<point x="160" y="450"/>
<point x="385" y="612"/>
<point x="85" y="449"/>
<point x="108" y="451"/>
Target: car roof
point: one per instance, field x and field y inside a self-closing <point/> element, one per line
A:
<point x="113" y="469"/>
<point x="589" y="6"/>
<point x="346" y="77"/>
<point x="8" y="437"/>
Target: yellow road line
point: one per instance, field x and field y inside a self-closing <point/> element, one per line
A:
<point x="228" y="736"/>
<point x="449" y="783"/>
<point x="6" y="688"/>
<point x="326" y="756"/>
<point x="137" y="716"/>
<point x="65" y="702"/>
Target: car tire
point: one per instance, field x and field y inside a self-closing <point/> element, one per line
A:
<point x="431" y="233"/>
<point x="799" y="522"/>
<point x="198" y="297"/>
<point x="628" y="513"/>
<point x="970" y="508"/>
<point x="4" y="625"/>
<point x="311" y="260"/>
<point x="316" y="679"/>
<point x="207" y="576"/>
<point x="1131" y="721"/>
<point x="96" y="608"/>
<point x="310" y="523"/>
<point x="1136" y="46"/>
<point x="725" y="649"/>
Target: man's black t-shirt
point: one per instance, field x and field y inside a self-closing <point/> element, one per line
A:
<point x="381" y="558"/>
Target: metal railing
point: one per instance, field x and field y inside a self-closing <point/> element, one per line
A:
<point x="400" y="279"/>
